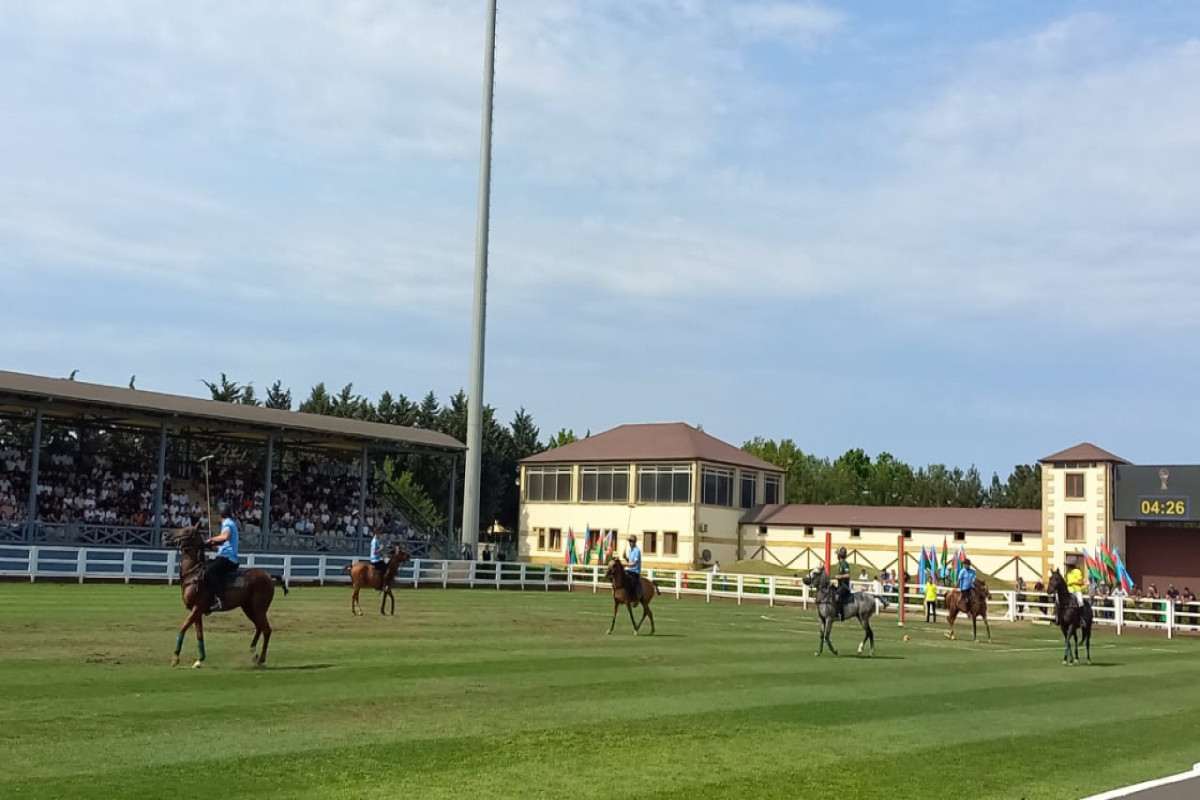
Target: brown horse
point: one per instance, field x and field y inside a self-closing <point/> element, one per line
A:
<point x="252" y="592"/>
<point x="363" y="574"/>
<point x="621" y="594"/>
<point x="977" y="609"/>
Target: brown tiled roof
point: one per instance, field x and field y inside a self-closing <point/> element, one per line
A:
<point x="62" y="397"/>
<point x="1083" y="452"/>
<point x="671" y="441"/>
<point x="1017" y="520"/>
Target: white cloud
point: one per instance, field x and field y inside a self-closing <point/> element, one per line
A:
<point x="799" y="24"/>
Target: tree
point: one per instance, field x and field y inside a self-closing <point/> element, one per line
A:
<point x="224" y="390"/>
<point x="564" y="436"/>
<point x="318" y="402"/>
<point x="278" y="397"/>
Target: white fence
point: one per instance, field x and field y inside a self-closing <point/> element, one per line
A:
<point x="51" y="562"/>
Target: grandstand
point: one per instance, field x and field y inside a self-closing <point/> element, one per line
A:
<point x="86" y="464"/>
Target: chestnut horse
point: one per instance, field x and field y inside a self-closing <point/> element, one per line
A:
<point x="977" y="609"/>
<point x="363" y="574"/>
<point x="621" y="594"/>
<point x="252" y="592"/>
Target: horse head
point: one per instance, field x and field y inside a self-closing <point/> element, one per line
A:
<point x="816" y="578"/>
<point x="187" y="540"/>
<point x="1057" y="584"/>
<point x="615" y="570"/>
<point x="399" y="555"/>
<point x="981" y="589"/>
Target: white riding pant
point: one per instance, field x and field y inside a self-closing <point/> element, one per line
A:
<point x="1078" y="598"/>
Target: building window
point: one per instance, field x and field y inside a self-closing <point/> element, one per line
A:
<point x="541" y="534"/>
<point x="650" y="539"/>
<point x="1016" y="538"/>
<point x="665" y="484"/>
<point x="604" y="484"/>
<point x="1074" y="528"/>
<point x="808" y="530"/>
<point x="556" y="538"/>
<point x="670" y="543"/>
<point x="548" y="484"/>
<point x="771" y="490"/>
<point x="960" y="536"/>
<point x="855" y="533"/>
<point x="717" y="487"/>
<point x="906" y="533"/>
<point x="762" y="530"/>
<point x="749" y="489"/>
<point x="1074" y="485"/>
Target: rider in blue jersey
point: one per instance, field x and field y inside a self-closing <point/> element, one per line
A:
<point x="378" y="562"/>
<point x="226" y="561"/>
<point x="966" y="582"/>
<point x="633" y="569"/>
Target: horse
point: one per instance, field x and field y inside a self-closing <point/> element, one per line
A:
<point x="955" y="606"/>
<point x="1072" y="619"/>
<point x="860" y="606"/>
<point x="363" y="574"/>
<point x="621" y="594"/>
<point x="252" y="592"/>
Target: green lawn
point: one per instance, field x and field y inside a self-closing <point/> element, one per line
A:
<point x="482" y="694"/>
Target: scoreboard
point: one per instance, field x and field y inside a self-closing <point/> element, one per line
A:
<point x="1162" y="493"/>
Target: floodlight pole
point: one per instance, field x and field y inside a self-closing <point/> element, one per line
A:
<point x="470" y="518"/>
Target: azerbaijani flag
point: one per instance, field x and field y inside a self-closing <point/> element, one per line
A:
<point x="569" y="555"/>
<point x="945" y="558"/>
<point x="1093" y="567"/>
<point x="587" y="544"/>
<point x="921" y="568"/>
<point x="1122" y="573"/>
<point x="1108" y="563"/>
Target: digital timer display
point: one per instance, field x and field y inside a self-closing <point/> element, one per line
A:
<point x="1158" y="507"/>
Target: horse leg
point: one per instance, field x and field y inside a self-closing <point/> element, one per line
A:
<point x="391" y="599"/>
<point x="629" y="608"/>
<point x="183" y="629"/>
<point x="1087" y="642"/>
<point x="383" y="601"/>
<point x="647" y="613"/>
<point x="974" y="628"/>
<point x="354" y="609"/>
<point x="613" y="624"/>
<point x="199" y="641"/>
<point x="868" y="636"/>
<point x="951" y="615"/>
<point x="987" y="627"/>
<point x="257" y="632"/>
<point x="1066" y="645"/>
<point x="260" y="622"/>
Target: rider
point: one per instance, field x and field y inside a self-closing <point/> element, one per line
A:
<point x="842" y="576"/>
<point x="226" y="561"/>
<point x="378" y="562"/>
<point x="966" y="582"/>
<point x="1075" y="583"/>
<point x="633" y="569"/>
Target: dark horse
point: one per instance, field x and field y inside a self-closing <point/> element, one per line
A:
<point x="252" y="592"/>
<point x="1072" y="619"/>
<point x="861" y="606"/>
<point x="362" y="573"/>
<point x="622" y="594"/>
<point x="976" y="610"/>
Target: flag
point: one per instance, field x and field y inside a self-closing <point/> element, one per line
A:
<point x="945" y="558"/>
<point x="1093" y="568"/>
<point x="1108" y="563"/>
<point x="1122" y="573"/>
<point x="921" y="568"/>
<point x="587" y="544"/>
<point x="569" y="555"/>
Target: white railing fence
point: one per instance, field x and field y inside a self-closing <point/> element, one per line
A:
<point x="80" y="563"/>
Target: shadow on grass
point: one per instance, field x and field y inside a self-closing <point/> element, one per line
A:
<point x="299" y="667"/>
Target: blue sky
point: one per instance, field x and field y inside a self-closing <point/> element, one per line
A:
<point x="962" y="232"/>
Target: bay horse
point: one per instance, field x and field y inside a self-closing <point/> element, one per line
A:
<point x="977" y="609"/>
<point x="1072" y="620"/>
<point x="621" y="595"/>
<point x="252" y="592"/>
<point x="362" y="573"/>
<point x="860" y="606"/>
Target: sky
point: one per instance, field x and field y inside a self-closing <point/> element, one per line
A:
<point x="961" y="232"/>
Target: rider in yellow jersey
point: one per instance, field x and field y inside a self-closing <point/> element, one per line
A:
<point x="1075" y="584"/>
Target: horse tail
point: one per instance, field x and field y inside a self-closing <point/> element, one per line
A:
<point x="280" y="582"/>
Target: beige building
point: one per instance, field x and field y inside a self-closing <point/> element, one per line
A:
<point x="693" y="499"/>
<point x="679" y="489"/>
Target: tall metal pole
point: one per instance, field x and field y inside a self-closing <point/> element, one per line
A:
<point x="362" y="502"/>
<point x="450" y="510"/>
<point x="470" y="520"/>
<point x="266" y="510"/>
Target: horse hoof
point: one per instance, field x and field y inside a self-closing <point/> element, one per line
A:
<point x="174" y="661"/>
<point x="197" y="664"/>
<point x="608" y="633"/>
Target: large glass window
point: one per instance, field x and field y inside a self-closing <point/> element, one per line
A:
<point x="665" y="484"/>
<point x="717" y="487"/>
<point x="749" y="485"/>
<point x="548" y="484"/>
<point x="771" y="489"/>
<point x="604" y="484"/>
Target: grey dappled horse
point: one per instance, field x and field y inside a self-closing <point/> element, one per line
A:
<point x="861" y="605"/>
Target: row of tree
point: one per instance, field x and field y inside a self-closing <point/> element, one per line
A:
<point x="853" y="478"/>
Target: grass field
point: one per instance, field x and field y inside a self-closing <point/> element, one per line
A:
<point x="506" y="694"/>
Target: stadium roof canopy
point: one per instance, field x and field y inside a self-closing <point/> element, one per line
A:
<point x="75" y="401"/>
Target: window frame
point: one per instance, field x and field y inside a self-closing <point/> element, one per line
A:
<point x="723" y="478"/>
<point x="772" y="483"/>
<point x="1071" y="478"/>
<point x="752" y="478"/>
<point x="1067" y="520"/>
<point x="599" y="472"/>
<point x="541" y="538"/>
<point x="541" y="473"/>
<point x="672" y="473"/>
<point x="650" y="542"/>
<point x="960" y="536"/>
<point x="670" y="543"/>
<point x="554" y="540"/>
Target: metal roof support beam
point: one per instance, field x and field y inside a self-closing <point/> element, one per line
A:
<point x="362" y="499"/>
<point x="34" y="465"/>
<point x="270" y="469"/>
<point x="159" y="483"/>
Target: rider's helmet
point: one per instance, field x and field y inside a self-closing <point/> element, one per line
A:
<point x="966" y="562"/>
<point x="223" y="509"/>
<point x="633" y="538"/>
<point x="841" y="552"/>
